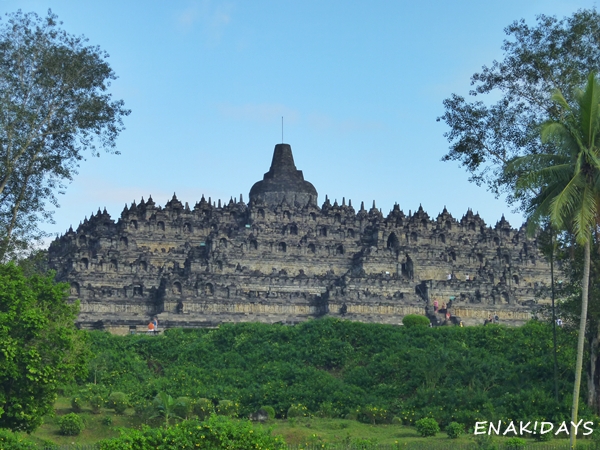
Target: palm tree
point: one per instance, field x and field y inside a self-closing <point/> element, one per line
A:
<point x="166" y="406"/>
<point x="567" y="183"/>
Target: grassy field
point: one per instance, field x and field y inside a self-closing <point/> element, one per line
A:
<point x="300" y="431"/>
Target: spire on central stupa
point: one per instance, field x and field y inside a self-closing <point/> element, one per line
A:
<point x="283" y="181"/>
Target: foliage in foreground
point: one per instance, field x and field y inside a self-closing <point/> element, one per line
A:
<point x="218" y="432"/>
<point x="12" y="441"/>
<point x="347" y="369"/>
<point x="41" y="348"/>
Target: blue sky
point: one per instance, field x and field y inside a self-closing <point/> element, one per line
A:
<point x="359" y="85"/>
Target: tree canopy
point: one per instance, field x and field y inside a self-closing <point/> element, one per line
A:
<point x="567" y="183"/>
<point x="486" y="134"/>
<point x="40" y="348"/>
<point x="54" y="107"/>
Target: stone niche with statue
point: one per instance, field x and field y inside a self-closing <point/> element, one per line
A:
<point x="282" y="258"/>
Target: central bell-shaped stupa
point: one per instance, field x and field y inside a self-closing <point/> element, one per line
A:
<point x="283" y="181"/>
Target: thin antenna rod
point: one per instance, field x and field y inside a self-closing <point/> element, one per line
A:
<point x="282" y="129"/>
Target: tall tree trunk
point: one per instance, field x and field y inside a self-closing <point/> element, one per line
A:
<point x="594" y="373"/>
<point x="553" y="313"/>
<point x="581" y="338"/>
<point x="5" y="245"/>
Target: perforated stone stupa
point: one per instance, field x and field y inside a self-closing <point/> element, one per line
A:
<point x="282" y="258"/>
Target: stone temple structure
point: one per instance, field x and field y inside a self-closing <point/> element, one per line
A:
<point x="283" y="258"/>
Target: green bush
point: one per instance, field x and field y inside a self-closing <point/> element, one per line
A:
<point x="374" y="414"/>
<point x="215" y="433"/>
<point x="203" y="408"/>
<point x="514" y="443"/>
<point x="76" y="402"/>
<point x="118" y="401"/>
<point x="145" y="410"/>
<point x="427" y="427"/>
<point x="297" y="410"/>
<point x="12" y="441"/>
<point x="96" y="403"/>
<point x="107" y="420"/>
<point x="95" y="395"/>
<point x="326" y="410"/>
<point x="183" y="407"/>
<point x="415" y="320"/>
<point x="228" y="408"/>
<point x="396" y="421"/>
<point x="364" y="444"/>
<point x="454" y="430"/>
<point x="269" y="410"/>
<point x="70" y="425"/>
<point x="485" y="442"/>
<point x="543" y="437"/>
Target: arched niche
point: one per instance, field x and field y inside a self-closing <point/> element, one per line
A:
<point x="392" y="241"/>
<point x="75" y="290"/>
<point x="177" y="288"/>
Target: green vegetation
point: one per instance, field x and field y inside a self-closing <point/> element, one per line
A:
<point x="71" y="425"/>
<point x="217" y="432"/>
<point x="55" y="111"/>
<point x="118" y="401"/>
<point x="427" y="427"/>
<point x="414" y="320"/>
<point x="41" y="348"/>
<point x="269" y="410"/>
<point x="515" y="443"/>
<point x="335" y="368"/>
<point x="454" y="430"/>
<point x="536" y="87"/>
<point x="567" y="188"/>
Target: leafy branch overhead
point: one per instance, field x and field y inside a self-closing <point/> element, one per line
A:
<point x="54" y="107"/>
<point x="516" y="96"/>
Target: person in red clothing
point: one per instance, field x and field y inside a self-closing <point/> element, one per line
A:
<point x="151" y="327"/>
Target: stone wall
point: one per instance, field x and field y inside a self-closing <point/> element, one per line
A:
<point x="217" y="263"/>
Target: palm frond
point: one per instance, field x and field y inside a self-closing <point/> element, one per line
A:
<point x="559" y="99"/>
<point x="565" y="203"/>
<point x="557" y="133"/>
<point x="589" y="109"/>
<point x="585" y="216"/>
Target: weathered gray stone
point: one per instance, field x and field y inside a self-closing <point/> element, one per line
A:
<point x="281" y="258"/>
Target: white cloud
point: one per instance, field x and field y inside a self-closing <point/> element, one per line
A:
<point x="213" y="18"/>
